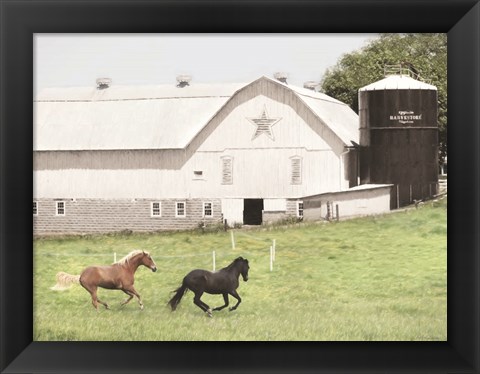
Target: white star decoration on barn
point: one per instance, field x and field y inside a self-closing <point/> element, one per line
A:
<point x="264" y="124"/>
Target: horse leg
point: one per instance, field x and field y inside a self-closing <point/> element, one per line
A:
<point x="201" y="304"/>
<point x="93" y="293"/>
<point x="236" y="296"/>
<point x="103" y="303"/>
<point x="94" y="301"/>
<point x="135" y="293"/>
<point x="127" y="300"/>
<point x="225" y="298"/>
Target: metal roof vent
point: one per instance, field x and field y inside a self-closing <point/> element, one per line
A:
<point x="310" y="85"/>
<point x="103" y="83"/>
<point x="281" y="77"/>
<point x="183" y="80"/>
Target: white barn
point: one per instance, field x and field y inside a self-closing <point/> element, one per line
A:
<point x="146" y="158"/>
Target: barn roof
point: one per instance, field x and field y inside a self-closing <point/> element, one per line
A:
<point x="153" y="117"/>
<point x="338" y="116"/>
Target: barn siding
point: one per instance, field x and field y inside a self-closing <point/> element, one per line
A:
<point x="115" y="215"/>
<point x="165" y="159"/>
<point x="269" y="168"/>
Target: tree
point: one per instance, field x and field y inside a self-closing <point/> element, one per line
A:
<point x="426" y="53"/>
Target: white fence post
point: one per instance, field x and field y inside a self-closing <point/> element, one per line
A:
<point x="271" y="258"/>
<point x="233" y="239"/>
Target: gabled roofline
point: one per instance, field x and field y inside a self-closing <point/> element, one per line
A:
<point x="284" y="86"/>
<point x="219" y="110"/>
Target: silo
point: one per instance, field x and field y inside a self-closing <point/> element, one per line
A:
<point x="399" y="137"/>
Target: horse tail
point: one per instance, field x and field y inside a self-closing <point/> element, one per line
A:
<point x="65" y="281"/>
<point x="179" y="292"/>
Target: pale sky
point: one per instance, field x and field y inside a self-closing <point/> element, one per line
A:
<point x="70" y="60"/>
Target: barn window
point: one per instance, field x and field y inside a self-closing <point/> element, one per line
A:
<point x="296" y="170"/>
<point x="208" y="209"/>
<point x="198" y="174"/>
<point x="300" y="209"/>
<point x="35" y="208"/>
<point x="180" y="209"/>
<point x="60" y="208"/>
<point x="227" y="170"/>
<point x="156" y="209"/>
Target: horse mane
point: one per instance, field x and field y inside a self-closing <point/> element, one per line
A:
<point x="131" y="255"/>
<point x="235" y="261"/>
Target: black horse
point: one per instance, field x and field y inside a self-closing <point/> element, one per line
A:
<point x="224" y="281"/>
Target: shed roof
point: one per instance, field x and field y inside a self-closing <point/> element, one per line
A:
<point x="153" y="117"/>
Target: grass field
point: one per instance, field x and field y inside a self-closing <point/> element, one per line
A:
<point x="372" y="279"/>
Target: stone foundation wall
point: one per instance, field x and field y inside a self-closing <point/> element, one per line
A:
<point x="85" y="216"/>
<point x="270" y="217"/>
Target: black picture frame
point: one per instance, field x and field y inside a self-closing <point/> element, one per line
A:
<point x="21" y="19"/>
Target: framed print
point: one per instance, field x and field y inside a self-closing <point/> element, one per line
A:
<point x="22" y="20"/>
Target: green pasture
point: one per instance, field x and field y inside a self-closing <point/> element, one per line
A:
<point x="378" y="278"/>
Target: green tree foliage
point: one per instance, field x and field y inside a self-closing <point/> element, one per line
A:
<point x="427" y="53"/>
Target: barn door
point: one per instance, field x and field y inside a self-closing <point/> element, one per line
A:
<point x="252" y="211"/>
<point x="232" y="210"/>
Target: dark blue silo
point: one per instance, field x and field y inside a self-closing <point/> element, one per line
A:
<point x="399" y="137"/>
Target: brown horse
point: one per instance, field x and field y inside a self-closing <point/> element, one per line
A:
<point x="119" y="276"/>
